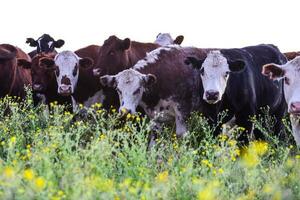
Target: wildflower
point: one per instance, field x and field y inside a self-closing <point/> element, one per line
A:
<point x="221" y="171"/>
<point x="8" y="172"/>
<point x="40" y="183"/>
<point x="162" y="177"/>
<point x="128" y="116"/>
<point x="250" y="159"/>
<point x="207" y="163"/>
<point x="28" y="174"/>
<point x="259" y="147"/>
<point x="13" y="139"/>
<point x="209" y="192"/>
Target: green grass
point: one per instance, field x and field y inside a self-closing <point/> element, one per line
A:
<point x="45" y="156"/>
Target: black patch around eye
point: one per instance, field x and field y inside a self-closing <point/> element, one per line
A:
<point x="57" y="71"/>
<point x="202" y="71"/>
<point x="286" y="80"/>
<point x="136" y="91"/>
<point x="75" y="70"/>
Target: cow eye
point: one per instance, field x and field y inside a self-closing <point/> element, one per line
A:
<point x="75" y="70"/>
<point x="202" y="72"/>
<point x="286" y="80"/>
<point x="136" y="91"/>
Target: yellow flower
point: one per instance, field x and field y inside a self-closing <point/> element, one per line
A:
<point x="221" y="171"/>
<point x="8" y="172"/>
<point x="13" y="139"/>
<point x="259" y="147"/>
<point x="207" y="163"/>
<point x="40" y="183"/>
<point x="250" y="159"/>
<point x="162" y="177"/>
<point x="28" y="174"/>
<point x="209" y="192"/>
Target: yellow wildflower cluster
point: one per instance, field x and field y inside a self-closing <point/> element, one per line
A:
<point x="162" y="177"/>
<point x="252" y="154"/>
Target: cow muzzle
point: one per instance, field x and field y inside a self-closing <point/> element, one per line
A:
<point x="97" y="71"/>
<point x="212" y="96"/>
<point x="65" y="90"/>
<point x="295" y="108"/>
<point x="37" y="87"/>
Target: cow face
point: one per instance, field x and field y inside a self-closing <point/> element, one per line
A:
<point x="113" y="56"/>
<point x="290" y="72"/>
<point x="42" y="72"/>
<point x="45" y="43"/>
<point x="165" y="39"/>
<point x="214" y="72"/>
<point x="66" y="65"/>
<point x="130" y="85"/>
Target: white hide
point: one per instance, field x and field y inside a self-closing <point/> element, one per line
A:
<point x="66" y="61"/>
<point x="164" y="39"/>
<point x="98" y="97"/>
<point x="215" y="74"/>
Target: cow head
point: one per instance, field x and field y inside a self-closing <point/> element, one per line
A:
<point x="113" y="56"/>
<point x="130" y="85"/>
<point x="42" y="74"/>
<point x="66" y="65"/>
<point x="45" y="43"/>
<point x="215" y="71"/>
<point x="290" y="72"/>
<point x="165" y="39"/>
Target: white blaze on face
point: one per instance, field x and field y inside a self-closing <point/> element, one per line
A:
<point x="68" y="70"/>
<point x="214" y="75"/>
<point x="130" y="87"/>
<point x="164" y="39"/>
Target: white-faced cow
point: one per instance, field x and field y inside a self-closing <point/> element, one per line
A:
<point x="161" y="84"/>
<point x="290" y="73"/>
<point x="165" y="39"/>
<point x="232" y="81"/>
<point x="45" y="44"/>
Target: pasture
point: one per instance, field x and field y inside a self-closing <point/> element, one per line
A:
<point x="49" y="155"/>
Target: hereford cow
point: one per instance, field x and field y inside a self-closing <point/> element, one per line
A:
<point x="44" y="83"/>
<point x="45" y="44"/>
<point x="290" y="73"/>
<point x="292" y="55"/>
<point x="161" y="84"/>
<point x="165" y="39"/>
<point x="13" y="78"/>
<point x="232" y="81"/>
<point x="117" y="54"/>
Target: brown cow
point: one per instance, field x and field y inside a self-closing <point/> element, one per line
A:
<point x="291" y="55"/>
<point x="13" y="78"/>
<point x="117" y="55"/>
<point x="44" y="85"/>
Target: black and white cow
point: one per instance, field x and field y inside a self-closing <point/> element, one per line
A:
<point x="45" y="44"/>
<point x="290" y="73"/>
<point x="232" y="81"/>
<point x="161" y="84"/>
<point x="164" y="39"/>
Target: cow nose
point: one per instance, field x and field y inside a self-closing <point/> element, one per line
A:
<point x="295" y="107"/>
<point x="65" y="90"/>
<point x="37" y="87"/>
<point x="97" y="72"/>
<point x="212" y="95"/>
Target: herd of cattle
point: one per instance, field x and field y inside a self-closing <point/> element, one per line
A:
<point x="163" y="79"/>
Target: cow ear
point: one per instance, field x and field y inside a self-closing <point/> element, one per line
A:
<point x="47" y="63"/>
<point x="126" y="44"/>
<point x="149" y="79"/>
<point x="86" y="63"/>
<point x="273" y="71"/>
<point x="59" y="43"/>
<point x="197" y="64"/>
<point x="31" y="42"/>
<point x="236" y="65"/>
<point x="108" y="80"/>
<point x="24" y="63"/>
<point x="179" y="39"/>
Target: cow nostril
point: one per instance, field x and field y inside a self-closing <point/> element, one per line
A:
<point x="212" y="95"/>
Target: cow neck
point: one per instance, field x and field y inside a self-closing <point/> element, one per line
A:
<point x="13" y="77"/>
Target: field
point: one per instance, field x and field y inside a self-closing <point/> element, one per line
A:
<point x="48" y="155"/>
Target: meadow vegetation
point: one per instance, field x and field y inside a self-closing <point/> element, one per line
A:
<point x="49" y="155"/>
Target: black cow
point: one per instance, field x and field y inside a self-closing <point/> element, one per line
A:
<point x="45" y="44"/>
<point x="232" y="80"/>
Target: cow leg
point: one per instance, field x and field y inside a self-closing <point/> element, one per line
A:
<point x="181" y="128"/>
<point x="296" y="129"/>
<point x="156" y="127"/>
<point x="243" y="120"/>
<point x="74" y="104"/>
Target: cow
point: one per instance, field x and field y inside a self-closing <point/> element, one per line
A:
<point x="289" y="73"/>
<point x="292" y="55"/>
<point x="165" y="39"/>
<point x="162" y="85"/>
<point x="232" y="81"/>
<point x="117" y="54"/>
<point x="13" y="77"/>
<point x="45" y="44"/>
<point x="44" y="83"/>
